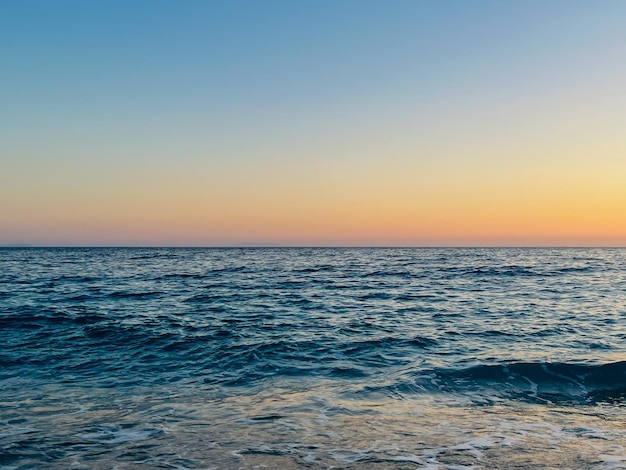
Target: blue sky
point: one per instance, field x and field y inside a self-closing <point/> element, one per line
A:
<point x="121" y="95"/>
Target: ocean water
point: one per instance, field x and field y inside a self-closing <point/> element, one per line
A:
<point x="312" y="358"/>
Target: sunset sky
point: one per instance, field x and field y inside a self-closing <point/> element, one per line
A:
<point x="326" y="122"/>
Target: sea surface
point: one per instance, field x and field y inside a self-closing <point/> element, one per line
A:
<point x="312" y="358"/>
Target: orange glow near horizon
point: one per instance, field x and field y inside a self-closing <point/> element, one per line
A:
<point x="366" y="213"/>
<point x="546" y="195"/>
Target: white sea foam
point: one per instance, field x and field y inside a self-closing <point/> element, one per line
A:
<point x="347" y="455"/>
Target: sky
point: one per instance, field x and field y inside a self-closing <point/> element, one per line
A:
<point x="313" y="123"/>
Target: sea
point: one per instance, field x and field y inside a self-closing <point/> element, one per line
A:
<point x="315" y="358"/>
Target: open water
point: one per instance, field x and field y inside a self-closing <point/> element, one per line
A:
<point x="312" y="358"/>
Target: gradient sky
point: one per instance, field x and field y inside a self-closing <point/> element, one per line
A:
<point x="203" y="123"/>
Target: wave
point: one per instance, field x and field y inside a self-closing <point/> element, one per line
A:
<point x="528" y="381"/>
<point x="135" y="295"/>
<point x="515" y="271"/>
<point x="180" y="276"/>
<point x="492" y="271"/>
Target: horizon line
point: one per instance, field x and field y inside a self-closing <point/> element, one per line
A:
<point x="277" y="246"/>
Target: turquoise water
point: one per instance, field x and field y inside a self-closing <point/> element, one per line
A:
<point x="314" y="358"/>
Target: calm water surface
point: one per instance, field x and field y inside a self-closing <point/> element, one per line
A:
<point x="312" y="358"/>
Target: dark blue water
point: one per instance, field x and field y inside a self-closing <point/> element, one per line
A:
<point x="317" y="358"/>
